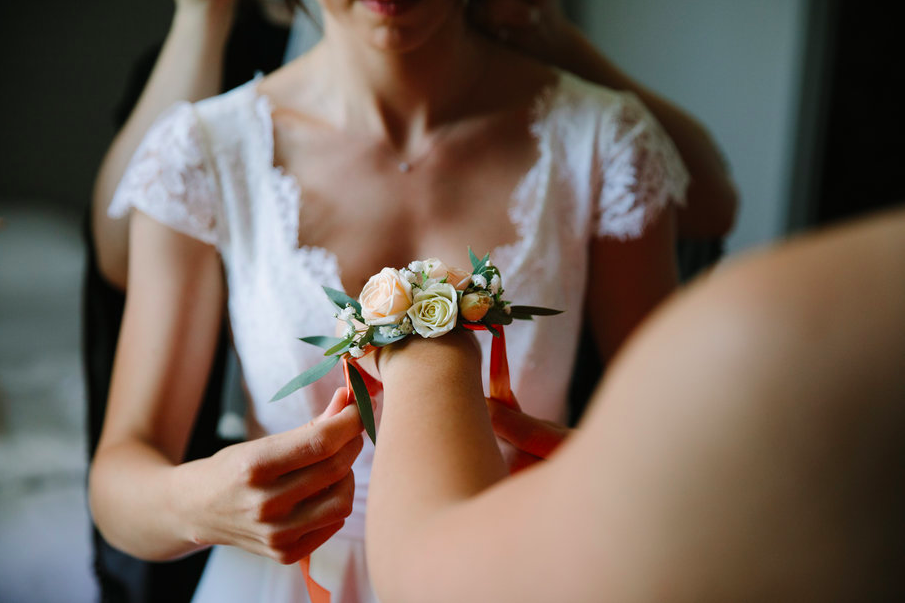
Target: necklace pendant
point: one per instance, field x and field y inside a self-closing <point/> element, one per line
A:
<point x="404" y="167"/>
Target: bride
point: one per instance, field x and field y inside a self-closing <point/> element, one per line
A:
<point x="402" y="134"/>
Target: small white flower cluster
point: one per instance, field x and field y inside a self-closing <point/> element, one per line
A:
<point x="495" y="283"/>
<point x="346" y="313"/>
<point x="404" y="328"/>
<point x="410" y="276"/>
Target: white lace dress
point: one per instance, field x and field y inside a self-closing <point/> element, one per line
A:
<point x="605" y="169"/>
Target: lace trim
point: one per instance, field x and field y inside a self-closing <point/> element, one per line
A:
<point x="168" y="178"/>
<point x="524" y="209"/>
<point x="642" y="173"/>
<point x="320" y="264"/>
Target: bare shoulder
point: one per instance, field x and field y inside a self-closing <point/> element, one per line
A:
<point x="513" y="79"/>
<point x="297" y="84"/>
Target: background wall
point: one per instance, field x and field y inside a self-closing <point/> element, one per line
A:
<point x="64" y="66"/>
<point x="735" y="64"/>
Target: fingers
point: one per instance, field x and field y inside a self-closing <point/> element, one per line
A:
<point x="337" y="403"/>
<point x="308" y="543"/>
<point x="308" y="525"/>
<point x="331" y="505"/>
<point x="304" y="446"/>
<point x="293" y="487"/>
<point x="529" y="434"/>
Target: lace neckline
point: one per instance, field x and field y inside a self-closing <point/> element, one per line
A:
<point x="322" y="264"/>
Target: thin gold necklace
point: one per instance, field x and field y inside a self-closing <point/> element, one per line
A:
<point x="407" y="165"/>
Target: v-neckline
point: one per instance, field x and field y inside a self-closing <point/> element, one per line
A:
<point x="289" y="195"/>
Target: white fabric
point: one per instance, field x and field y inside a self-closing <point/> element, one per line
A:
<point x="605" y="168"/>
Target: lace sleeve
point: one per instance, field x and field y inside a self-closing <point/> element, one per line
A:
<point x="641" y="170"/>
<point x="168" y="177"/>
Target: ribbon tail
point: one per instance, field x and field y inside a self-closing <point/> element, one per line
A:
<point x="316" y="592"/>
<point x="500" y="388"/>
<point x="350" y="395"/>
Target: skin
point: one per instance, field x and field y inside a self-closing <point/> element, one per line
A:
<point x="766" y="466"/>
<point x="539" y="29"/>
<point x="189" y="68"/>
<point x="387" y="103"/>
<point x="190" y="65"/>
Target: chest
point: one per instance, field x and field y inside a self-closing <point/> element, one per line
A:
<point x="355" y="202"/>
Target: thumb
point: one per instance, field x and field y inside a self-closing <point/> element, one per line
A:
<point x="337" y="403"/>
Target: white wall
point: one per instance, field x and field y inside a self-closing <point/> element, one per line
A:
<point x="736" y="65"/>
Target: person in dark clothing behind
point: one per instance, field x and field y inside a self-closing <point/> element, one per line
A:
<point x="248" y="43"/>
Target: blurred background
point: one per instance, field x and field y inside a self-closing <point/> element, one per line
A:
<point x="802" y="95"/>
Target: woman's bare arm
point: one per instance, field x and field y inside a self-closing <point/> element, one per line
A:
<point x="764" y="466"/>
<point x="279" y="496"/>
<point x="189" y="68"/>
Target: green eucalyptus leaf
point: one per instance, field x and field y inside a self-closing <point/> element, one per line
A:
<point x="520" y="316"/>
<point x="363" y="401"/>
<point x="475" y="262"/>
<point x="340" y="348"/>
<point x="321" y="341"/>
<point x="308" y="377"/>
<point x="340" y="299"/>
<point x="534" y="311"/>
<point x="496" y="316"/>
<point x="490" y="328"/>
<point x="367" y="337"/>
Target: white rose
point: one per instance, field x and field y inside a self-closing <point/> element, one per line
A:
<point x="434" y="310"/>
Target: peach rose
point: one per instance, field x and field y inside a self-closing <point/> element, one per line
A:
<point x="474" y="306"/>
<point x="458" y="278"/>
<point x="385" y="298"/>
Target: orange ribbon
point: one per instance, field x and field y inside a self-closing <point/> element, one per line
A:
<point x="316" y="592"/>
<point x="500" y="388"/>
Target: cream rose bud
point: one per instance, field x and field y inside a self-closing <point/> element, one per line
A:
<point x="434" y="310"/>
<point x="385" y="298"/>
<point x="474" y="306"/>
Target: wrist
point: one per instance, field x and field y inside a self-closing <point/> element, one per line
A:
<point x="450" y="354"/>
<point x="182" y="504"/>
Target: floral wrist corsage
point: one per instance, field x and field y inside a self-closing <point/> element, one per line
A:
<point x="428" y="299"/>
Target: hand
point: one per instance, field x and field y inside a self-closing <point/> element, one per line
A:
<point x="524" y="439"/>
<point x="284" y="495"/>
<point x="537" y="28"/>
